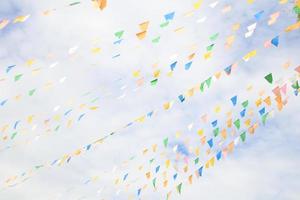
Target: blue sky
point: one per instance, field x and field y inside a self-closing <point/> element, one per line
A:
<point x="61" y="44"/>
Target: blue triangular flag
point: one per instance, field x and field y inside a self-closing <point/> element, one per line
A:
<point x="173" y="65"/>
<point x="243" y="112"/>
<point x="188" y="65"/>
<point x="68" y="112"/>
<point x="175" y="176"/>
<point x="234" y="100"/>
<point x="150" y="114"/>
<point x="200" y="171"/>
<point x="125" y="176"/>
<point x="214" y="123"/>
<point x="275" y="41"/>
<point x="210" y="143"/>
<point x="16" y="124"/>
<point x="262" y="111"/>
<point x="157" y="169"/>
<point x="169" y="16"/>
<point x="219" y="155"/>
<point x="181" y="98"/>
<point x="228" y="70"/>
<point x="139" y="192"/>
<point x="9" y="68"/>
<point x="3" y="102"/>
<point x="258" y="15"/>
<point x="118" y="41"/>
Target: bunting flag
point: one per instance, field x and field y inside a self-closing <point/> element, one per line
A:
<point x="178" y="100"/>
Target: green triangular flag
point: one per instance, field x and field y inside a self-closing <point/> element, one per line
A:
<point x="17" y="77"/>
<point x="166" y="142"/>
<point x="94" y="100"/>
<point x="196" y="161"/>
<point x="243" y="136"/>
<point x="210" y="47"/>
<point x="296" y="85"/>
<point x="151" y="160"/>
<point x="39" y="166"/>
<point x="216" y="132"/>
<point x="297" y="10"/>
<point x="214" y="36"/>
<point x="245" y="103"/>
<point x="162" y="25"/>
<point x="208" y="82"/>
<point x="156" y="40"/>
<point x="154" y="182"/>
<point x="132" y="157"/>
<point x="202" y="86"/>
<point x="264" y="118"/>
<point x="119" y="34"/>
<point x="31" y="92"/>
<point x="56" y="128"/>
<point x="179" y="188"/>
<point x="154" y="82"/>
<point x="237" y="123"/>
<point x="269" y="78"/>
<point x="74" y="3"/>
<point x="13" y="135"/>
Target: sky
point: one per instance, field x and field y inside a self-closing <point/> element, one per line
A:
<point x="66" y="74"/>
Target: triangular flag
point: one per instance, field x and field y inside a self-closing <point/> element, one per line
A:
<point x="237" y="123"/>
<point x="31" y="92"/>
<point x="210" y="47"/>
<point x="141" y="35"/>
<point x="245" y="104"/>
<point x="219" y="155"/>
<point x="228" y="70"/>
<point x="269" y="78"/>
<point x="188" y="65"/>
<point x="234" y="100"/>
<point x="156" y="40"/>
<point x="216" y="132"/>
<point x="200" y="170"/>
<point x="243" y="112"/>
<point x="210" y="143"/>
<point x="154" y="82"/>
<point x="181" y="98"/>
<point x="173" y="65"/>
<point x="179" y="188"/>
<point x="243" y="136"/>
<point x="102" y="4"/>
<point x="258" y="15"/>
<point x="154" y="182"/>
<point x="202" y="86"/>
<point x="169" y="16"/>
<point x="208" y="82"/>
<point x="166" y="142"/>
<point x="144" y="26"/>
<point x="17" y="77"/>
<point x="214" y="36"/>
<point x="119" y="34"/>
<point x="275" y="41"/>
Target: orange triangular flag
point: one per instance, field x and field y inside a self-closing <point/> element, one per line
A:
<point x="231" y="146"/>
<point x="223" y="133"/>
<point x="102" y="4"/>
<point x="141" y="35"/>
<point x="191" y="179"/>
<point x="268" y="101"/>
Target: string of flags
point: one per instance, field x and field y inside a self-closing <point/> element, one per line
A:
<point x="171" y="163"/>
